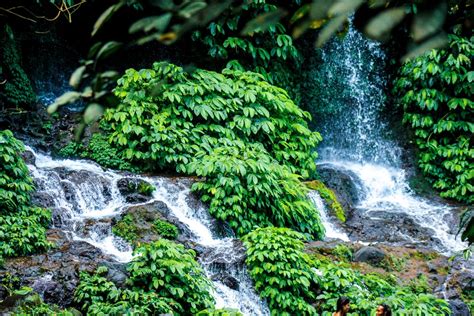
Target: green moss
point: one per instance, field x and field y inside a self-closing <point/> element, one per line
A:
<point x="99" y="150"/>
<point x="329" y="197"/>
<point x="17" y="90"/>
<point x="343" y="252"/>
<point x="165" y="229"/>
<point x="126" y="229"/>
<point x="392" y="263"/>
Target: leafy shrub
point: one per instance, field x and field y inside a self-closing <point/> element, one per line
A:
<point x="269" y="51"/>
<point x="145" y="188"/>
<point x="367" y="291"/>
<point x="343" y="252"/>
<point x="100" y="296"/>
<point x="167" y="115"/>
<point x="99" y="150"/>
<point x="329" y="197"/>
<point x="17" y="90"/>
<point x="199" y="122"/>
<point x="219" y="312"/>
<point x="246" y="187"/>
<point x="169" y="270"/>
<point x="127" y="229"/>
<point x="436" y="93"/>
<point x="22" y="226"/>
<point x="282" y="272"/>
<point x="165" y="229"/>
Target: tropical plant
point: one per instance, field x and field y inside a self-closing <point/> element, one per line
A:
<point x="165" y="229"/>
<point x="170" y="271"/>
<point x="23" y="226"/>
<point x="167" y="115"/>
<point x="247" y="188"/>
<point x="436" y="92"/>
<point x="281" y="271"/>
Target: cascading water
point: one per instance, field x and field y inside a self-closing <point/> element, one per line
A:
<point x="85" y="198"/>
<point x="349" y="82"/>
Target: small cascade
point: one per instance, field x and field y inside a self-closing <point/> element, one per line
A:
<point x="85" y="198"/>
<point x="332" y="231"/>
<point x="349" y="80"/>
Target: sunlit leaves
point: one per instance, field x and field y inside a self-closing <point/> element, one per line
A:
<point x="22" y="226"/>
<point x="436" y="95"/>
<point x="281" y="271"/>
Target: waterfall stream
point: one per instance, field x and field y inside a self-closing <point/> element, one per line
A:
<point x="86" y="198"/>
<point x="350" y="79"/>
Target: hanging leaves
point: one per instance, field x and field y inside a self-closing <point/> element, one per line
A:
<point x="380" y="26"/>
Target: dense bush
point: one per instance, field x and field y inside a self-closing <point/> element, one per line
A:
<point x="165" y="229"/>
<point x="22" y="225"/>
<point x="245" y="136"/>
<point x="167" y="115"/>
<point x="16" y="91"/>
<point x="164" y="278"/>
<point x="269" y="51"/>
<point x="248" y="188"/>
<point x="99" y="150"/>
<point x="436" y="93"/>
<point x="281" y="271"/>
<point x="366" y="291"/>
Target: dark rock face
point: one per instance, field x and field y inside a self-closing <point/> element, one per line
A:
<point x="344" y="183"/>
<point x="144" y="215"/>
<point x="233" y="254"/>
<point x="382" y="226"/>
<point x="371" y="255"/>
<point x="227" y="280"/>
<point x="128" y="187"/>
<point x="459" y="308"/>
<point x="55" y="274"/>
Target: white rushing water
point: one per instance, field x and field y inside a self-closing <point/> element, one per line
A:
<point x="332" y="231"/>
<point x="88" y="197"/>
<point x="350" y="81"/>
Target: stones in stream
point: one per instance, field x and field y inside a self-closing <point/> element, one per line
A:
<point x="55" y="274"/>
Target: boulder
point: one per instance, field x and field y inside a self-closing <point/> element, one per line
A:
<point x="371" y="255"/>
<point x="459" y="308"/>
<point x="130" y="190"/>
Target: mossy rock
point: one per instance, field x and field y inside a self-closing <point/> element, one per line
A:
<point x="145" y="224"/>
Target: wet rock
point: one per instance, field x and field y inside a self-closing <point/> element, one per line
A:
<point x="344" y="183"/>
<point x="28" y="157"/>
<point x="227" y="280"/>
<point x="388" y="227"/>
<point x="117" y="272"/>
<point x="144" y="216"/>
<point x="230" y="253"/>
<point x="43" y="199"/>
<point x="371" y="255"/>
<point x="459" y="308"/>
<point x="134" y="190"/>
<point x="55" y="274"/>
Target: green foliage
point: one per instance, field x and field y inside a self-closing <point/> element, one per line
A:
<point x="281" y="270"/>
<point x="167" y="115"/>
<point x="17" y="90"/>
<point x="329" y="197"/>
<point x="165" y="229"/>
<point x="145" y="188"/>
<point x="99" y="150"/>
<point x="225" y="127"/>
<point x="219" y="312"/>
<point x="127" y="229"/>
<point x="367" y="291"/>
<point x="269" y="50"/>
<point x="32" y="304"/>
<point x="102" y="297"/>
<point x="22" y="226"/>
<point x="343" y="252"/>
<point x="246" y="187"/>
<point x="436" y="92"/>
<point x="164" y="278"/>
<point x="393" y="263"/>
<point x="169" y="270"/>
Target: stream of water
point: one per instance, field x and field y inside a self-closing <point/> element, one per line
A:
<point x="350" y="78"/>
<point x="86" y="198"/>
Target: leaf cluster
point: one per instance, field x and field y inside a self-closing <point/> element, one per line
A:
<point x="281" y="271"/>
<point x="22" y="225"/>
<point x="366" y="291"/>
<point x="436" y="92"/>
<point x="164" y="278"/>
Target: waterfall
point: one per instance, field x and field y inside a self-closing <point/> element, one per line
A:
<point x="348" y="80"/>
<point x="85" y="198"/>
